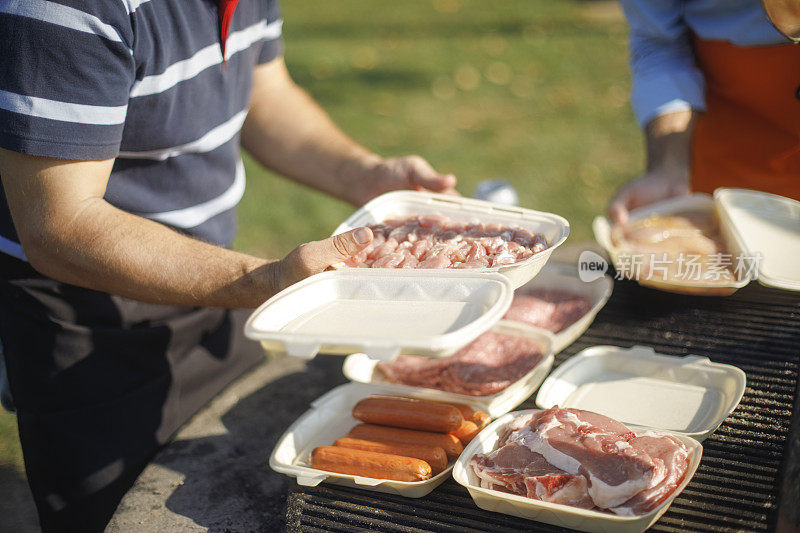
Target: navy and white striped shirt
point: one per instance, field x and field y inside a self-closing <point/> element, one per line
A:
<point x="141" y="81"/>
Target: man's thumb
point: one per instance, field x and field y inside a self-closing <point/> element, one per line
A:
<point x="340" y="247"/>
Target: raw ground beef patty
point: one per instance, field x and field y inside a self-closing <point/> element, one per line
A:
<point x="488" y="365"/>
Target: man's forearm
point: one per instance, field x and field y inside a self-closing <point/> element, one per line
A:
<point x="669" y="142"/>
<point x="290" y="134"/>
<point x="109" y="250"/>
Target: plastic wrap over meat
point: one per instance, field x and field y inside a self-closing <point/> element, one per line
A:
<point x="583" y="459"/>
<point x="550" y="310"/>
<point x="488" y="365"/>
<point x="435" y="241"/>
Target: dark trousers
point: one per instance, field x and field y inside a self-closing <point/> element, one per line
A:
<point x="100" y="382"/>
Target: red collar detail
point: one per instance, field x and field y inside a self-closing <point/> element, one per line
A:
<point x="225" y="12"/>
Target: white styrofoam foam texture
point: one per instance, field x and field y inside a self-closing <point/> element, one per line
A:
<point x="601" y="226"/>
<point x="562" y="277"/>
<point x="361" y="368"/>
<point x="768" y="224"/>
<point x="410" y="203"/>
<point x="381" y="314"/>
<point x="329" y="419"/>
<point x="688" y="395"/>
<point x="552" y="513"/>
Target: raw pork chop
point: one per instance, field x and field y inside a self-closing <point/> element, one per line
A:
<point x="435" y="241"/>
<point x="549" y="309"/>
<point x="486" y="366"/>
<point x="622" y="471"/>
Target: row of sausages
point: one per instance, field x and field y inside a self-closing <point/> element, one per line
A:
<point x="402" y="439"/>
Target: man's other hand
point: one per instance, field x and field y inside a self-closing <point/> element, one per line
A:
<point x="398" y="173"/>
<point x="316" y="256"/>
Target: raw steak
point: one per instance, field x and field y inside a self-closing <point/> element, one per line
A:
<point x="486" y="366"/>
<point x="546" y="455"/>
<point x="435" y="241"/>
<point x="551" y="310"/>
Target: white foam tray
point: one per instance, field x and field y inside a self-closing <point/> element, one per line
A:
<point x="379" y="313"/>
<point x="552" y="513"/>
<point x="360" y="368"/>
<point x="689" y="395"/>
<point x="686" y="397"/>
<point x="692" y="202"/>
<point x="563" y="277"/>
<point x="409" y="203"/>
<point x="329" y="419"/>
<point x="761" y="222"/>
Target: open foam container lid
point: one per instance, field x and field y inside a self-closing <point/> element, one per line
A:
<point x="767" y="224"/>
<point x="687" y="395"/>
<point x="381" y="314"/>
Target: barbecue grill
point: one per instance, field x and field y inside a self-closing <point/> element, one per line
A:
<point x="748" y="477"/>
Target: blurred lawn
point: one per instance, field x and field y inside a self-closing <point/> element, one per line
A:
<point x="531" y="91"/>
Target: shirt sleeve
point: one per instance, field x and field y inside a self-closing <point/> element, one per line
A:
<point x="665" y="76"/>
<point x="272" y="46"/>
<point x="66" y="69"/>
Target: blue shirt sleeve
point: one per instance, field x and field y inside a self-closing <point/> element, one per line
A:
<point x="665" y="76"/>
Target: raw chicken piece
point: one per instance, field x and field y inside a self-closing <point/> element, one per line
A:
<point x="486" y="366"/>
<point x="542" y="456"/>
<point x="665" y="244"/>
<point x="548" y="309"/>
<point x="436" y="241"/>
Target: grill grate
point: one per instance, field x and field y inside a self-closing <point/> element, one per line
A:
<point x="737" y="483"/>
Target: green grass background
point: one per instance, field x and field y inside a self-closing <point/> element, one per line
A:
<point x="530" y="91"/>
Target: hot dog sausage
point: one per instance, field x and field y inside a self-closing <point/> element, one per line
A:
<point x="450" y="444"/>
<point x="481" y="419"/>
<point x="466" y="432"/>
<point x="369" y="464"/>
<point x="408" y="413"/>
<point x="433" y="455"/>
<point x="466" y="411"/>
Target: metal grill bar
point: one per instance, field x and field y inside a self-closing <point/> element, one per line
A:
<point x="736" y="485"/>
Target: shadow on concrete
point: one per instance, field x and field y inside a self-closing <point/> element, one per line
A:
<point x="228" y="485"/>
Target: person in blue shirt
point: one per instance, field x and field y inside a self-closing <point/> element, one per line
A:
<point x="716" y="91"/>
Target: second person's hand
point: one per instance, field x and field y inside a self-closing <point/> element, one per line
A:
<point x="646" y="189"/>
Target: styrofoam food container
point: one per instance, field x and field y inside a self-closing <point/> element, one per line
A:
<point x="754" y="221"/>
<point x="360" y="368"/>
<point x="379" y="313"/>
<point x="686" y="397"/>
<point x="553" y="513"/>
<point x="692" y="202"/>
<point x="750" y="221"/>
<point x="563" y="277"/>
<point x="329" y="419"/>
<point x="410" y="203"/>
<point x="689" y="395"/>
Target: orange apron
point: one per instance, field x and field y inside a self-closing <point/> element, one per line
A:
<point x="749" y="135"/>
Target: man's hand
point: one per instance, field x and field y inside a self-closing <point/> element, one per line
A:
<point x="646" y="189"/>
<point x="398" y="173"/>
<point x="316" y="256"/>
<point x="669" y="151"/>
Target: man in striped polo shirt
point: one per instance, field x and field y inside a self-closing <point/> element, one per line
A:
<point x="120" y="128"/>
